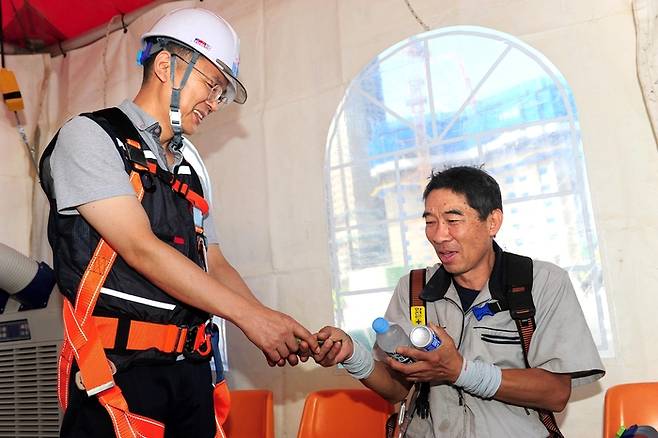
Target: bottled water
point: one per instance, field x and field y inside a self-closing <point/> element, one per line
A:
<point x="391" y="336"/>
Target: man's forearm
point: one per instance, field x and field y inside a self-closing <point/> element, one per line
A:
<point x="184" y="280"/>
<point x="535" y="388"/>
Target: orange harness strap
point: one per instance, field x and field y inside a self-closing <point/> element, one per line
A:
<point x="168" y="338"/>
<point x="82" y="340"/>
<point x="176" y="185"/>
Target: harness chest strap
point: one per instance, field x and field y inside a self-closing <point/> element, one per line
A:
<point x="140" y="163"/>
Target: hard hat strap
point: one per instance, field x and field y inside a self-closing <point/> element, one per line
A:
<point x="174" y="107"/>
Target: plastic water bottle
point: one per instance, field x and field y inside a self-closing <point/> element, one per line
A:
<point x="390" y="337"/>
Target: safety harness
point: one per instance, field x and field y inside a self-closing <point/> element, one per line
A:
<point x="88" y="336"/>
<point x="516" y="298"/>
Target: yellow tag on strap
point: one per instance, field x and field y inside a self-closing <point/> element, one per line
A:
<point x="418" y="315"/>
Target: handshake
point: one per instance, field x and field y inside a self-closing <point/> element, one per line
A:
<point x="327" y="347"/>
<point x="282" y="339"/>
<point x="334" y="346"/>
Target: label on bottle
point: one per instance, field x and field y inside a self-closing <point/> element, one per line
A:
<point x="400" y="357"/>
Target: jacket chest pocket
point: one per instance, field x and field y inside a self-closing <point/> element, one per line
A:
<point x="496" y="340"/>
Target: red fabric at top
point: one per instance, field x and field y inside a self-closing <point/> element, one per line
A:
<point x="34" y="24"/>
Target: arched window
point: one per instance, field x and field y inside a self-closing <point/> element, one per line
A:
<point x="458" y="95"/>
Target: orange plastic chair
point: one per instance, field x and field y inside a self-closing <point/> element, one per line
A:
<point x="251" y="415"/>
<point x="629" y="404"/>
<point x="344" y="413"/>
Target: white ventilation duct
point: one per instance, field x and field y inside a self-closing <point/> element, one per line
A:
<point x="30" y="337"/>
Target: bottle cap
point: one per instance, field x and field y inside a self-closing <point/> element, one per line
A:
<point x="380" y="325"/>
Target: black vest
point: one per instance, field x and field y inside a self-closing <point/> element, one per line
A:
<point x="73" y="241"/>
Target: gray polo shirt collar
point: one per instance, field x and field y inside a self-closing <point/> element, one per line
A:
<point x="150" y="130"/>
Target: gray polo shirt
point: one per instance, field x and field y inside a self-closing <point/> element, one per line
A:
<point x="561" y="343"/>
<point x="87" y="167"/>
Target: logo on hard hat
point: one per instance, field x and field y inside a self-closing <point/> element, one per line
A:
<point x="202" y="43"/>
<point x="236" y="67"/>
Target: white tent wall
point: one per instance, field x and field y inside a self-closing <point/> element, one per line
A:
<point x="267" y="157"/>
<point x="16" y="170"/>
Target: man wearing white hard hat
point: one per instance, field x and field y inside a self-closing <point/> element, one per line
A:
<point x="136" y="252"/>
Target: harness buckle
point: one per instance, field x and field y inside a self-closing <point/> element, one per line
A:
<point x="198" y="345"/>
<point x="92" y="391"/>
<point x="522" y="314"/>
<point x="482" y="311"/>
<point x="137" y="158"/>
<point x="190" y="339"/>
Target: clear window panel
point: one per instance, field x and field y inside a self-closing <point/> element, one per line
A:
<point x="370" y="183"/>
<point x="401" y="84"/>
<point x="420" y="252"/>
<point x="339" y="151"/>
<point x="373" y="129"/>
<point x="367" y="257"/>
<point x="452" y="152"/>
<point x="414" y="168"/>
<point x="338" y="198"/>
<point x="458" y="64"/>
<point x="549" y="229"/>
<point x="518" y="91"/>
<point x="358" y="311"/>
<point x="535" y="160"/>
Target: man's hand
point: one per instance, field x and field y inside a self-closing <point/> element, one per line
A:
<point x="336" y="346"/>
<point x="443" y="364"/>
<point x="277" y="335"/>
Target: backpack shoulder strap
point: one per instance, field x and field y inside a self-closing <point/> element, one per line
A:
<point x="517" y="278"/>
<point x="123" y="133"/>
<point x="417" y="315"/>
<point x="518" y="295"/>
<point x="416" y="303"/>
<point x="115" y="122"/>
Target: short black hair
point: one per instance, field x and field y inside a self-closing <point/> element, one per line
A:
<point x="171" y="47"/>
<point x="480" y="189"/>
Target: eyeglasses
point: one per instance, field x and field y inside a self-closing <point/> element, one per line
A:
<point x="217" y="93"/>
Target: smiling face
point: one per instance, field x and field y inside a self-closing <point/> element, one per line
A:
<point x="195" y="103"/>
<point x="463" y="241"/>
<point x="194" y="100"/>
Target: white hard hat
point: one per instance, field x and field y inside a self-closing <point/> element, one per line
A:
<point x="208" y="34"/>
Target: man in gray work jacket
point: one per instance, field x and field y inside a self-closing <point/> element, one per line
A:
<point x="479" y="384"/>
